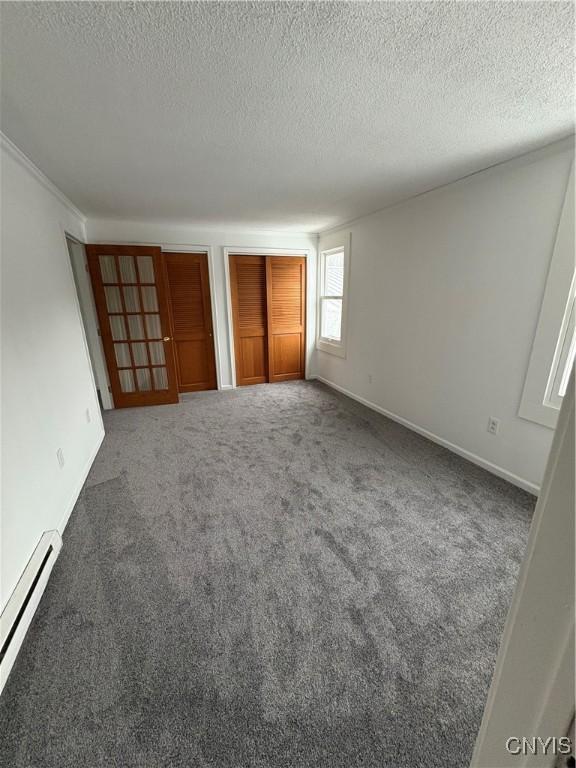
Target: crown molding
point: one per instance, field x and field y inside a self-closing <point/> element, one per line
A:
<point x="16" y="153"/>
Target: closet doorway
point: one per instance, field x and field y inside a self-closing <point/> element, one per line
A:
<point x="268" y="296"/>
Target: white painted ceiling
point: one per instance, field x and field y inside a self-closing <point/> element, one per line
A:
<point x="278" y="115"/>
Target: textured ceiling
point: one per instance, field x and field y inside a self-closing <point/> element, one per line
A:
<point x="278" y="115"/>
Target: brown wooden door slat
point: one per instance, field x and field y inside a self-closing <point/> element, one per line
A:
<point x="129" y="288"/>
<point x="191" y="317"/>
<point x="248" y="293"/>
<point x="286" y="304"/>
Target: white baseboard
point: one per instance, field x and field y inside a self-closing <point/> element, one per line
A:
<point x="526" y="485"/>
<point x="21" y="606"/>
<point x="24" y="600"/>
<point x="226" y="386"/>
<point x="78" y="487"/>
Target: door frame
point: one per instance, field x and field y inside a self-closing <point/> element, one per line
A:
<point x="86" y="306"/>
<point x="244" y="251"/>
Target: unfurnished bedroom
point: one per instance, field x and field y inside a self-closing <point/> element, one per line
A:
<point x="288" y="337"/>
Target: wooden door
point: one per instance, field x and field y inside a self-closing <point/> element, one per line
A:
<point x="248" y="293"/>
<point x="131" y="301"/>
<point x="191" y="319"/>
<point x="286" y="315"/>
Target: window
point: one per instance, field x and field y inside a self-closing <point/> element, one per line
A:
<point x="332" y="295"/>
<point x="334" y="252"/>
<point x="554" y="347"/>
<point x="564" y="355"/>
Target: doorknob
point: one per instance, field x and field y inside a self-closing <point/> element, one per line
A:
<point x="167" y="338"/>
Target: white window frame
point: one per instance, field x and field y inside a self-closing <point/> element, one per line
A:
<point x="339" y="241"/>
<point x="564" y="354"/>
<point x="539" y="403"/>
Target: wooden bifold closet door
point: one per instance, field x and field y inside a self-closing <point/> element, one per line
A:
<point x="191" y="318"/>
<point x="248" y="291"/>
<point x="269" y="315"/>
<point x="286" y="304"/>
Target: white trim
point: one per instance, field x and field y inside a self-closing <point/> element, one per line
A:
<point x="79" y="485"/>
<point x="215" y="320"/>
<point x="534" y="405"/>
<point x="18" y="596"/>
<point x="475" y="459"/>
<point x="560" y="369"/>
<point x="330" y="347"/>
<point x="26" y="163"/>
<point x="226" y="251"/>
<point x="337" y="241"/>
<point x="229" y="317"/>
<point x="98" y="368"/>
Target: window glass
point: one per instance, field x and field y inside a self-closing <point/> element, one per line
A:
<point x="331" y="319"/>
<point x="332" y="292"/>
<point x="563" y="361"/>
<point x="334" y="274"/>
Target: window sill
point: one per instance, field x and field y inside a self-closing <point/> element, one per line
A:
<point x="538" y="413"/>
<point x="331" y="347"/>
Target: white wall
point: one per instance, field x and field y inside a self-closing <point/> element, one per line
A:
<point x="47" y="382"/>
<point x="445" y="291"/>
<point x="180" y="237"/>
<point x="532" y="691"/>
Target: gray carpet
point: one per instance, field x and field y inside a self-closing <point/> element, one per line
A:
<point x="275" y="577"/>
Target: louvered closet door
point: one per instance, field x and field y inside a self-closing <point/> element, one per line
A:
<point x="191" y="317"/>
<point x="248" y="292"/>
<point x="286" y="303"/>
<point x="130" y="295"/>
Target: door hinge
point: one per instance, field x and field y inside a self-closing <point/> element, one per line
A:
<point x="109" y="389"/>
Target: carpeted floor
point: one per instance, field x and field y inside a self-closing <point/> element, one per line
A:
<point x="275" y="577"/>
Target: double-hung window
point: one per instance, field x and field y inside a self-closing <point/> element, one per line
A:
<point x="333" y="284"/>
<point x="564" y="354"/>
<point x="554" y="347"/>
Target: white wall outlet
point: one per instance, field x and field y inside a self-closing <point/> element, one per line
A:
<point x="88" y="417"/>
<point x="493" y="425"/>
<point x="60" y="457"/>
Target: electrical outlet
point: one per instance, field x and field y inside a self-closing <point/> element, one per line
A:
<point x="493" y="425"/>
<point x="60" y="457"/>
<point x="369" y="378"/>
<point x="88" y="417"/>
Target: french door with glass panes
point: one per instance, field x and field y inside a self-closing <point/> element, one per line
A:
<point x="130" y="294"/>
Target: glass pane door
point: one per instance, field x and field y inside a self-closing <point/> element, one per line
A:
<point x="130" y="296"/>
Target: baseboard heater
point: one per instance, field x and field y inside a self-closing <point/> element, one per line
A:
<point x="21" y="606"/>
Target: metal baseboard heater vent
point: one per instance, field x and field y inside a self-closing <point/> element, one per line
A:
<point x="21" y="606"/>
